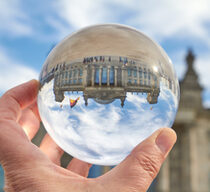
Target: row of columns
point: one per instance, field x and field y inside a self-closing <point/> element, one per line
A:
<point x="123" y="78"/>
<point x="108" y="75"/>
<point x="63" y="77"/>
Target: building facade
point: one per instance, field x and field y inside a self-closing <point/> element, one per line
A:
<point x="106" y="78"/>
<point x="187" y="169"/>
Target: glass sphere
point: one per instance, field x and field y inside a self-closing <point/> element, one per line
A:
<point x="103" y="90"/>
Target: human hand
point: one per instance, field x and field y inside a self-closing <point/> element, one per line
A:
<point x="32" y="169"/>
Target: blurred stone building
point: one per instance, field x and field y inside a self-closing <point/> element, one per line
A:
<point x="188" y="167"/>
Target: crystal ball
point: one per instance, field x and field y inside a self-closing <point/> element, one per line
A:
<point x="104" y="89"/>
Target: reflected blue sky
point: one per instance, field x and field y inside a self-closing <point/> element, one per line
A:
<point x="104" y="133"/>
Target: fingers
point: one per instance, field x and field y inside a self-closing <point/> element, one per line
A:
<point x="54" y="153"/>
<point x="18" y="98"/>
<point x="80" y="167"/>
<point x="51" y="149"/>
<point x="139" y="169"/>
<point x="30" y="120"/>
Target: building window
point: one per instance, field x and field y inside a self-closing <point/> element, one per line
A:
<point x="145" y="82"/>
<point x="170" y="84"/>
<point x="145" y="73"/>
<point x="135" y="82"/>
<point x="95" y="59"/>
<point x="80" y="80"/>
<point x="125" y="60"/>
<point x="80" y="72"/>
<point x="75" y="72"/>
<point x="155" y="82"/>
<point x="141" y="82"/>
<point x="70" y="74"/>
<point x="129" y="72"/>
<point x="104" y="75"/>
<point x="97" y="76"/>
<point x="149" y="74"/>
<point x="75" y="81"/>
<point x="134" y="73"/>
<point x="129" y="81"/>
<point x="66" y="74"/>
<point x="140" y="73"/>
<point x="119" y="77"/>
<point x="70" y="81"/>
<point x="89" y="76"/>
<point x="111" y="76"/>
<point x="102" y="58"/>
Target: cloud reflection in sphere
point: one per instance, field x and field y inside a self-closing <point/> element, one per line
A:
<point x="103" y="90"/>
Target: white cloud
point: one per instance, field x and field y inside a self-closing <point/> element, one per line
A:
<point x="202" y="67"/>
<point x="158" y="19"/>
<point x="12" y="72"/>
<point x="13" y="19"/>
<point x="179" y="63"/>
<point x="206" y="102"/>
<point x="82" y="13"/>
<point x="103" y="133"/>
<point x="172" y="18"/>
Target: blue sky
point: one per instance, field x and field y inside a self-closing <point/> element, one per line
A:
<point x="29" y="29"/>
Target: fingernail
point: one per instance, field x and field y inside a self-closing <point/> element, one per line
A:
<point x="165" y="140"/>
<point x="34" y="80"/>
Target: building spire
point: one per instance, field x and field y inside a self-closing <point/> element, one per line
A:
<point x="190" y="59"/>
<point x="190" y="86"/>
<point x="191" y="77"/>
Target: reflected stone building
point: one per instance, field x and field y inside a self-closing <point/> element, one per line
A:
<point x="104" y="79"/>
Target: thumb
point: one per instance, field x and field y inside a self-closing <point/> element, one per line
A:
<point x="138" y="170"/>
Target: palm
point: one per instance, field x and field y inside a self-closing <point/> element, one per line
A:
<point x="29" y="168"/>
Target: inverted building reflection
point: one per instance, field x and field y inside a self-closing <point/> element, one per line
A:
<point x="105" y="78"/>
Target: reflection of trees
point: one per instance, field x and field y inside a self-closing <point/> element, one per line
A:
<point x="104" y="78"/>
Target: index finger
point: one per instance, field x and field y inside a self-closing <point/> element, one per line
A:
<point x="17" y="98"/>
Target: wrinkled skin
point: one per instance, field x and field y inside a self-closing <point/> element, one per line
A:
<point x="29" y="168"/>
